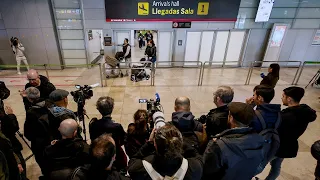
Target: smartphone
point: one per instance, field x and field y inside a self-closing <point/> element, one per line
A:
<point x="143" y="100"/>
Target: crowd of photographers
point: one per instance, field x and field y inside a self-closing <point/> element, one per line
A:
<point x="231" y="142"/>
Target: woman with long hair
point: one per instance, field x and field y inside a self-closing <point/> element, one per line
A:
<point x="273" y="76"/>
<point x="137" y="134"/>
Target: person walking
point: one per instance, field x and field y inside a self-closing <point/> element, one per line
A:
<point x="19" y="52"/>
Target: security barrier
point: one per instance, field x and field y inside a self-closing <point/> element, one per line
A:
<point x="302" y="68"/>
<point x="251" y="69"/>
<point x="45" y="66"/>
<point x="210" y="63"/>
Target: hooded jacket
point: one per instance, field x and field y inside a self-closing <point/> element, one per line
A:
<point x="235" y="154"/>
<point x="185" y="122"/>
<point x="45" y="89"/>
<point x="269" y="112"/>
<point x="67" y="154"/>
<point x="295" y="121"/>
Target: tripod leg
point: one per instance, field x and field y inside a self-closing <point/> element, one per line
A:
<point x="314" y="77"/>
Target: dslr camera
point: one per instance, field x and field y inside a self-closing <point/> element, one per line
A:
<point x="155" y="111"/>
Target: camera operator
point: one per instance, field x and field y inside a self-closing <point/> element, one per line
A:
<point x="40" y="82"/>
<point x="217" y="119"/>
<point x="35" y="127"/>
<point x="97" y="127"/>
<point x="19" y="52"/>
<point x="10" y="125"/>
<point x="183" y="120"/>
<point x="62" y="156"/>
<point x="137" y="133"/>
<point x="58" y="111"/>
<point x="162" y="157"/>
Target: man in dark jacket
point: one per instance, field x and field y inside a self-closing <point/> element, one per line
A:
<point x="40" y="82"/>
<point x="183" y="120"/>
<point x="163" y="153"/>
<point x="217" y="119"/>
<point x="295" y="120"/>
<point x="58" y="111"/>
<point x="262" y="96"/>
<point x="36" y="130"/>
<point x="107" y="125"/>
<point x="315" y="151"/>
<point x="67" y="153"/>
<point x="236" y="152"/>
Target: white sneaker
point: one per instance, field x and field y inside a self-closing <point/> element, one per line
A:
<point x="19" y="73"/>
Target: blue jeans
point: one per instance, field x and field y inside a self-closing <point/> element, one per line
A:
<point x="275" y="169"/>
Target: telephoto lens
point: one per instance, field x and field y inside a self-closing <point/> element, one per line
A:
<point x="158" y="119"/>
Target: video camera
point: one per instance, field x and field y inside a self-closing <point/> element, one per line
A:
<point x="155" y="111"/>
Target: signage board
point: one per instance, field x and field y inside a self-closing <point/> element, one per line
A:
<point x="278" y="36"/>
<point x="316" y="38"/>
<point x="264" y="10"/>
<point x="171" y="10"/>
<point x="181" y="24"/>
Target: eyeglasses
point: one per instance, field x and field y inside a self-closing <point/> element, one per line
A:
<point x="32" y="79"/>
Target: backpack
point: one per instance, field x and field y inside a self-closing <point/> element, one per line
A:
<point x="271" y="138"/>
<point x="179" y="175"/>
<point x="190" y="143"/>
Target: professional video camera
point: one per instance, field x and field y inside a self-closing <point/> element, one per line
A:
<point x="80" y="96"/>
<point x="156" y="119"/>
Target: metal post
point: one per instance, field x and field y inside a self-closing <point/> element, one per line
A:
<point x="226" y="50"/>
<point x="203" y="66"/>
<point x="47" y="73"/>
<point x="101" y="75"/>
<point x="200" y="74"/>
<point x="295" y="76"/>
<point x="300" y="73"/>
<point x="153" y="72"/>
<point x="250" y="74"/>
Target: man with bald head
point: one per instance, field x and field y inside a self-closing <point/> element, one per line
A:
<point x="62" y="156"/>
<point x="184" y="120"/>
<point x="40" y="82"/>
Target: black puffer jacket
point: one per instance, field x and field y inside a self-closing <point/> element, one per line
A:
<point x="45" y="89"/>
<point x="185" y="121"/>
<point x="217" y="120"/>
<point x="295" y="121"/>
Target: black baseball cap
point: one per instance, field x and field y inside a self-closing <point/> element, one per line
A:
<point x="58" y="95"/>
<point x="241" y="112"/>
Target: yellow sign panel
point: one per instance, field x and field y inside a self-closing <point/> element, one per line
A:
<point x="143" y="8"/>
<point x="203" y="8"/>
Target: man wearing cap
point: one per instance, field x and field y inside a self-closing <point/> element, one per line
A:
<point x="40" y="82"/>
<point x="235" y="153"/>
<point x="58" y="110"/>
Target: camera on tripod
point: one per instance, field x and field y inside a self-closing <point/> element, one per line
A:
<point x="83" y="93"/>
<point x="155" y="111"/>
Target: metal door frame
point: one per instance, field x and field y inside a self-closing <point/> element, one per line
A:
<point x="171" y="44"/>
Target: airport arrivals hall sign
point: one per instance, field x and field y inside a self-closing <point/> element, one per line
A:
<point x="173" y="10"/>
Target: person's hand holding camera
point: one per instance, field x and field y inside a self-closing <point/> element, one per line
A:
<point x="8" y="110"/>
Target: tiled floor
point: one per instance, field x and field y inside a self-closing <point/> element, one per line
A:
<point x="171" y="83"/>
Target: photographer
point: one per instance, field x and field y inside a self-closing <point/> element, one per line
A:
<point x="18" y="50"/>
<point x="137" y="133"/>
<point x="40" y="82"/>
<point x="183" y="120"/>
<point x="58" y="111"/>
<point x="162" y="157"/>
<point x="107" y="126"/>
<point x="10" y="125"/>
<point x="217" y="119"/>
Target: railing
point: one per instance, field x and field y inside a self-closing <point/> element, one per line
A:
<point x="210" y="63"/>
<point x="180" y="63"/>
<point x="302" y="67"/>
<point x="45" y="66"/>
<point x="251" y="69"/>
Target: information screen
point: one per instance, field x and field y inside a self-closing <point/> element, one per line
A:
<point x="174" y="10"/>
